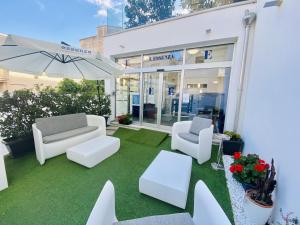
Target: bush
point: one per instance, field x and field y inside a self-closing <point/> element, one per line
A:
<point x="17" y="113"/>
<point x="233" y="136"/>
<point x="19" y="109"/>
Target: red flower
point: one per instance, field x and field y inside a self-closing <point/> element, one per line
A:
<point x="237" y="155"/>
<point x="239" y="168"/>
<point x="232" y="168"/>
<point x="261" y="161"/>
<point x="267" y="166"/>
<point x="259" y="167"/>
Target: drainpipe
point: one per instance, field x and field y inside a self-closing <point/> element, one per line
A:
<point x="248" y="19"/>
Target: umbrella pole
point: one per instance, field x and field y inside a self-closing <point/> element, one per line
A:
<point x="98" y="92"/>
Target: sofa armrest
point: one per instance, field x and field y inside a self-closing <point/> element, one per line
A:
<point x="205" y="144"/>
<point x="98" y="121"/>
<point x="38" y="144"/>
<point x="104" y="212"/>
<point x="206" y="208"/>
<point x="183" y="126"/>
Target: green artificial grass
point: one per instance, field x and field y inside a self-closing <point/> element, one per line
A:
<point x="148" y="137"/>
<point x="63" y="193"/>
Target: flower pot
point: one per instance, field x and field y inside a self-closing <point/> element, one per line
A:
<point x="257" y="213"/>
<point x="106" y="120"/>
<point x="232" y="146"/>
<point x="19" y="146"/>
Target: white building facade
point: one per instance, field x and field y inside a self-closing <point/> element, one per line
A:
<point x="219" y="64"/>
<point x="180" y="67"/>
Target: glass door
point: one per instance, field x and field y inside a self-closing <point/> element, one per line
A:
<point x="170" y="98"/>
<point x="151" y="93"/>
<point x="161" y="97"/>
<point x="128" y="95"/>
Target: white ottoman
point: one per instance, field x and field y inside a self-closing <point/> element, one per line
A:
<point x="168" y="178"/>
<point x="92" y="152"/>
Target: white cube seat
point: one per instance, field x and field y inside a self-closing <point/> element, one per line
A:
<point x="168" y="178"/>
<point x="92" y="152"/>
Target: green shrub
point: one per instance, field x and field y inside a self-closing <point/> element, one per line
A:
<point x="233" y="136"/>
<point x="18" y="110"/>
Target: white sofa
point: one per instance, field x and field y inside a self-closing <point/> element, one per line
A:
<point x="199" y="147"/>
<point x="207" y="211"/>
<point x="53" y="141"/>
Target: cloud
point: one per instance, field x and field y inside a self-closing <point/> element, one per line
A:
<point x="40" y="4"/>
<point x="104" y="5"/>
<point x="102" y="13"/>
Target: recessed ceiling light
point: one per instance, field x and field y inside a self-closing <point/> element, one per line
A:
<point x="193" y="51"/>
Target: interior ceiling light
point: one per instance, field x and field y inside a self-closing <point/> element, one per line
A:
<point x="193" y="51"/>
<point x="221" y="73"/>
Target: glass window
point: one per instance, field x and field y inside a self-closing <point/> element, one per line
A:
<point x="128" y="95"/>
<point x="205" y="94"/>
<point x="134" y="62"/>
<point x="163" y="59"/>
<point x="209" y="54"/>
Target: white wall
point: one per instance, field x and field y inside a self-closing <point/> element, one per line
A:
<point x="189" y="31"/>
<point x="271" y="121"/>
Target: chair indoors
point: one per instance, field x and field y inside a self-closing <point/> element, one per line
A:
<point x="207" y="211"/>
<point x="193" y="138"/>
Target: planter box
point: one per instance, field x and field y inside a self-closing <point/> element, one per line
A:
<point x="20" y="146"/>
<point x="232" y="146"/>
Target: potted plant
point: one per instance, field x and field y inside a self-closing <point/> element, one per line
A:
<point x="235" y="144"/>
<point x="125" y="119"/>
<point x="248" y="169"/>
<point x="258" y="202"/>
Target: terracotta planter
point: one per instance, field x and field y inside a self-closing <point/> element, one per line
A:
<point x="257" y="213"/>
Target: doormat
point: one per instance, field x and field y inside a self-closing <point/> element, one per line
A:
<point x="148" y="137"/>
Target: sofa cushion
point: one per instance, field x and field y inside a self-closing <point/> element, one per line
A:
<point x="59" y="124"/>
<point x="68" y="134"/>
<point x="199" y="124"/>
<point x="189" y="137"/>
<point x="172" y="219"/>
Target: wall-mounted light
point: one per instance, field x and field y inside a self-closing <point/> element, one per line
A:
<point x="208" y="30"/>
<point x="215" y="82"/>
<point x="272" y="3"/>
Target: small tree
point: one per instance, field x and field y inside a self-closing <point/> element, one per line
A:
<point x="141" y="12"/>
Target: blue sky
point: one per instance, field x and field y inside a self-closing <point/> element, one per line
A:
<point x="54" y="20"/>
<point x="57" y="20"/>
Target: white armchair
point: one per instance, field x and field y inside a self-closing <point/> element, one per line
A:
<point x="207" y="211"/>
<point x="200" y="149"/>
<point x="48" y="150"/>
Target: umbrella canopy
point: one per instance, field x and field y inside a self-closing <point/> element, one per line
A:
<point x="38" y="57"/>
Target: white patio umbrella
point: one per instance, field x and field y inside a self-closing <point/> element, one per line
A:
<point x="26" y="55"/>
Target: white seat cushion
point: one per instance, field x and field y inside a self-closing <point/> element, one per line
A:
<point x="92" y="152"/>
<point x="168" y="178"/>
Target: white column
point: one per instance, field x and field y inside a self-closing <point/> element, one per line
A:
<point x="109" y="89"/>
<point x="3" y="178"/>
